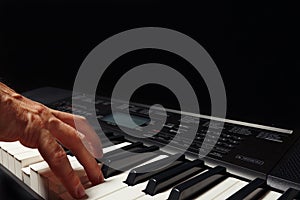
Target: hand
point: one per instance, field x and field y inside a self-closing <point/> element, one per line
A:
<point x="38" y="126"/>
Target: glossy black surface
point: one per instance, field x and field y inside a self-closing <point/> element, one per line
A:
<point x="198" y="184"/>
<point x="255" y="46"/>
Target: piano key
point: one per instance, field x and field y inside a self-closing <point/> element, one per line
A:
<point x="1" y="143"/>
<point x="142" y="173"/>
<point x="253" y="190"/>
<point x="11" y="156"/>
<point x="128" y="193"/>
<point x="231" y="190"/>
<point x="107" y="149"/>
<point x="108" y="143"/>
<point x="39" y="173"/>
<point x="198" y="184"/>
<point x="55" y="187"/>
<point x="216" y="191"/>
<point x="66" y="195"/>
<point x="35" y="171"/>
<point x="163" y="181"/>
<point x="112" y="138"/>
<point x="117" y="164"/>
<point x="114" y="167"/>
<point x="133" y="146"/>
<point x="162" y="195"/>
<point x="271" y="195"/>
<point x="134" y="191"/>
<point x="26" y="175"/>
<point x="115" y="147"/>
<point x="5" y="147"/>
<point x="290" y="194"/>
<point x="122" y="154"/>
<point x="113" y="183"/>
<point x="25" y="159"/>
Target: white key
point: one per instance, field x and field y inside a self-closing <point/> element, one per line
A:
<point x="39" y="174"/>
<point x="25" y="159"/>
<point x="231" y="190"/>
<point x="1" y="144"/>
<point x="218" y="189"/>
<point x="114" y="147"/>
<point x="66" y="195"/>
<point x="53" y="184"/>
<point x="158" y="196"/>
<point x="163" y="195"/>
<point x="11" y="156"/>
<point x="114" y="183"/>
<point x="5" y="148"/>
<point x="271" y="195"/>
<point x="26" y="175"/>
<point x="35" y="180"/>
<point x="128" y="193"/>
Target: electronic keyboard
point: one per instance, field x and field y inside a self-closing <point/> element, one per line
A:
<point x="240" y="160"/>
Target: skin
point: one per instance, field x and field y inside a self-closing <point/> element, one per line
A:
<point x="37" y="126"/>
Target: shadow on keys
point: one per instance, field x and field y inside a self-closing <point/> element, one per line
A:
<point x="9" y="189"/>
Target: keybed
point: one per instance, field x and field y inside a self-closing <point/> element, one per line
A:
<point x="183" y="179"/>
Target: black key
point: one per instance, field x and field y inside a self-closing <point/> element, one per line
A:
<point x="123" y="154"/>
<point x="144" y="172"/>
<point x="117" y="165"/>
<point x="253" y="190"/>
<point x="108" y="143"/>
<point x="69" y="152"/>
<point x="198" y="184"/>
<point x="290" y="194"/>
<point x="106" y="133"/>
<point x="113" y="138"/>
<point x="170" y="178"/>
<point x="126" y="148"/>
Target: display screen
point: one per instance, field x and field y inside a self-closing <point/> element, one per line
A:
<point x="123" y="119"/>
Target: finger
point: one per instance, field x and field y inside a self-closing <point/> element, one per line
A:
<point x="89" y="137"/>
<point x="68" y="136"/>
<point x="58" y="162"/>
<point x="64" y="116"/>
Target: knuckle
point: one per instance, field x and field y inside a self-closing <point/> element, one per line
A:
<point x="40" y="109"/>
<point x="51" y="151"/>
<point x="30" y="135"/>
<point x="58" y="156"/>
<point x="70" y="175"/>
<point x="53" y="121"/>
<point x="17" y="96"/>
<point x="33" y="122"/>
<point x="8" y="100"/>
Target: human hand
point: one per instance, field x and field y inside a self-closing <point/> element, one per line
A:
<point x="37" y="126"/>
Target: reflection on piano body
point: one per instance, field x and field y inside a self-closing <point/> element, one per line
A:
<point x="248" y="161"/>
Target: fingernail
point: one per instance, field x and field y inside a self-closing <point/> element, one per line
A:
<point x="80" y="191"/>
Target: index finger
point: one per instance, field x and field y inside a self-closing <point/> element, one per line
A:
<point x="68" y="136"/>
<point x="89" y="138"/>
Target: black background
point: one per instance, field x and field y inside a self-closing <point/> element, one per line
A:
<point x="255" y="46"/>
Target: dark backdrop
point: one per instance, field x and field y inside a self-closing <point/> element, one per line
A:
<point x="255" y="46"/>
